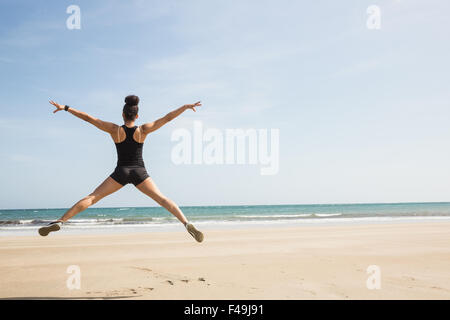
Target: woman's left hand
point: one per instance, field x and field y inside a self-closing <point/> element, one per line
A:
<point x="58" y="106"/>
<point x="192" y="106"/>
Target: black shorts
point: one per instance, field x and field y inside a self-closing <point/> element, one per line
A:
<point x="129" y="174"/>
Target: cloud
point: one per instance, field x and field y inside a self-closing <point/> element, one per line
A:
<point x="30" y="33"/>
<point x="356" y="69"/>
<point x="23" y="158"/>
<point x="6" y="60"/>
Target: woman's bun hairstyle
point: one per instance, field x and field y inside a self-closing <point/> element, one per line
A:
<point x="132" y="100"/>
<point x="130" y="109"/>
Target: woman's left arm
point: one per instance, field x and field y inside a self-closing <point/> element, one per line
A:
<point x="102" y="125"/>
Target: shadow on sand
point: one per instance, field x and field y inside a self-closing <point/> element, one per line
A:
<point x="68" y="298"/>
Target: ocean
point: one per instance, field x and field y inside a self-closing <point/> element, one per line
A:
<point x="20" y="221"/>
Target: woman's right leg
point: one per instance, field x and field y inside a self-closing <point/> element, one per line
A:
<point x="105" y="188"/>
<point x="149" y="188"/>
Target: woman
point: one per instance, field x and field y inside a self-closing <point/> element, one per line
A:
<point x="129" y="140"/>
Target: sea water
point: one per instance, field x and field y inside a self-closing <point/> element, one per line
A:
<point x="156" y="218"/>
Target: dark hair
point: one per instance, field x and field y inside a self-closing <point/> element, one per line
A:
<point x="130" y="109"/>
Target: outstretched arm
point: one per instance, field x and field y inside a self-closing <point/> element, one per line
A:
<point x="155" y="125"/>
<point x="102" y="125"/>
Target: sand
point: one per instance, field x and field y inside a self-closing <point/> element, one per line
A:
<point x="302" y="262"/>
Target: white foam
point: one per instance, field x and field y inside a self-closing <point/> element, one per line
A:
<point x="327" y="214"/>
<point x="274" y="215"/>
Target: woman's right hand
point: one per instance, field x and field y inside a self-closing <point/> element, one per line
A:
<point x="58" y="106"/>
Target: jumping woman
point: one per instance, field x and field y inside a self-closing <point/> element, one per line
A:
<point x="129" y="140"/>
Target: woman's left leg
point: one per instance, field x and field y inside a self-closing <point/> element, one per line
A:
<point x="149" y="188"/>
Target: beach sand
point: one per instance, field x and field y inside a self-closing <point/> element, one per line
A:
<point x="302" y="262"/>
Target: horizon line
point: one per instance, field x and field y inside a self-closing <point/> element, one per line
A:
<point x="257" y="205"/>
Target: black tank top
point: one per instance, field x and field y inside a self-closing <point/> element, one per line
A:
<point x="129" y="152"/>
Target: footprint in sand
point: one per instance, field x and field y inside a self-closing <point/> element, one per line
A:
<point x="174" y="277"/>
<point x="203" y="280"/>
<point x="139" y="289"/>
<point x="439" y="288"/>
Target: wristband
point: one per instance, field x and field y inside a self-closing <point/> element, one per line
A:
<point x="66" y="107"/>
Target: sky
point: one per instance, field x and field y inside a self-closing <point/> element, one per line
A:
<point x="363" y="114"/>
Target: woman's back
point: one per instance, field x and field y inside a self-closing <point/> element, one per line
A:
<point x="129" y="151"/>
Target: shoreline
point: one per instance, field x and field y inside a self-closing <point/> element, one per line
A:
<point x="292" y="262"/>
<point x="219" y="225"/>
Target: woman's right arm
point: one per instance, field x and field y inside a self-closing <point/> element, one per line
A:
<point x="106" y="126"/>
<point x="155" y="125"/>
